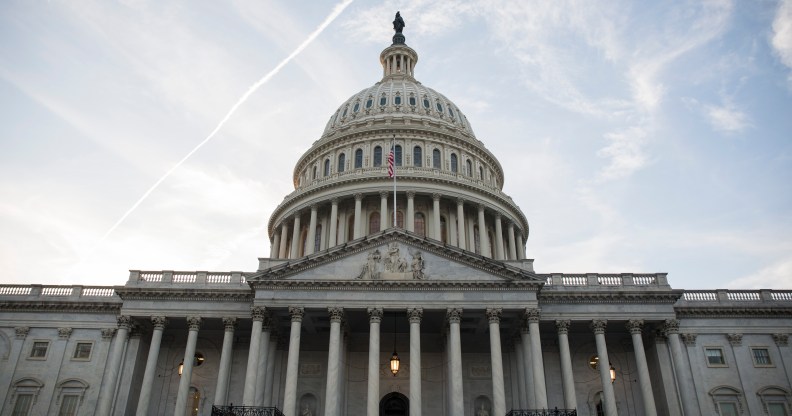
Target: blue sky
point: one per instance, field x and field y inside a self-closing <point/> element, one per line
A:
<point x="636" y="136"/>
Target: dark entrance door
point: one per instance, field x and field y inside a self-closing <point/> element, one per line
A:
<point x="394" y="404"/>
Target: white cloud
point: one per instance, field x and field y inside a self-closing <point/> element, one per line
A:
<point x="782" y="34"/>
<point x="727" y="119"/>
<point x="625" y="152"/>
<point x="777" y="275"/>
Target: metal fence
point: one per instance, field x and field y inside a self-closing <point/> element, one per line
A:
<point x="245" y="411"/>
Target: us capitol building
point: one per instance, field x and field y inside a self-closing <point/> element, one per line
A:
<point x="441" y="314"/>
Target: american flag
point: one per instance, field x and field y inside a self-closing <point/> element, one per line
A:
<point x="391" y="173"/>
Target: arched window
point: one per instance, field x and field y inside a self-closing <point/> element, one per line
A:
<point x="195" y="402"/>
<point x="377" y="156"/>
<point x="314" y="173"/>
<point x="420" y="224"/>
<point x="476" y="239"/>
<point x="358" y="158"/>
<point x="351" y="227"/>
<point x="374" y="222"/>
<point x="327" y="168"/>
<point x="341" y="162"/>
<point x="443" y="230"/>
<point x="481" y="173"/>
<point x="417" y="156"/>
<point x="397" y="155"/>
<point x="454" y="167"/>
<point x="469" y="166"/>
<point x="304" y="241"/>
<point x="436" y="158"/>
<point x="318" y="238"/>
<point x="399" y="219"/>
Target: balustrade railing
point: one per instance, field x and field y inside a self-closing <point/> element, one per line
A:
<point x="245" y="411"/>
<point x="186" y="278"/>
<point x="596" y="279"/>
<point x="76" y="291"/>
<point x="543" y="412"/>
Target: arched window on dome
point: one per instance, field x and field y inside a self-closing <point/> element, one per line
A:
<point x="397" y="155"/>
<point x="451" y="112"/>
<point x="417" y="156"/>
<point x="313" y="177"/>
<point x="436" y="158"/>
<point x="481" y="173"/>
<point x="318" y="238"/>
<point x="374" y="223"/>
<point x="420" y="224"/>
<point x="383" y="100"/>
<point x="426" y="103"/>
<point x="443" y="230"/>
<point x="356" y="108"/>
<point x="476" y="239"/>
<point x="358" y="158"/>
<point x="377" y="156"/>
<point x="440" y="108"/>
<point x="469" y="166"/>
<point x="454" y="167"/>
<point x="327" y="167"/>
<point x="369" y="102"/>
<point x="399" y="219"/>
<point x="412" y="100"/>
<point x="397" y="99"/>
<point x="341" y="162"/>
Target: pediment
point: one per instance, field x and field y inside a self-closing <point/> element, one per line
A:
<point x="395" y="255"/>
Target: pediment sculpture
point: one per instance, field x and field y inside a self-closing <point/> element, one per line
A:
<point x="392" y="266"/>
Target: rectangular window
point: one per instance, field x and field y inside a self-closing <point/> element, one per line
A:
<point x="777" y="409"/>
<point x="715" y="357"/>
<point x="39" y="349"/>
<point x="22" y="405"/>
<point x="761" y="357"/>
<point x="83" y="351"/>
<point x="69" y="405"/>
<point x="727" y="408"/>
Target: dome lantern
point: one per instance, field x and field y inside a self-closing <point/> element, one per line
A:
<point x="398" y="59"/>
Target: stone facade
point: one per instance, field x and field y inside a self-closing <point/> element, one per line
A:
<point x="448" y="290"/>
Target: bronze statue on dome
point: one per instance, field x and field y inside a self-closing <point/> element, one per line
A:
<point x="398" y="23"/>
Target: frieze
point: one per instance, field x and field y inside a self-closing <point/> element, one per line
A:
<point x="734" y="312"/>
<point x="393" y="266"/>
<point x="583" y="296"/>
<point x="63" y="307"/>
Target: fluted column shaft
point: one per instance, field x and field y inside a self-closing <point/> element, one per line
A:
<point x="224" y="373"/>
<point x="384" y="223"/>
<point x="410" y="211"/>
<point x="522" y="400"/>
<point x="282" y="250"/>
<point x="261" y="372"/>
<point x="454" y="316"/>
<point x="520" y="248"/>
<point x="295" y="244"/>
<point x="193" y="324"/>
<point x="414" y="316"/>
<point x="270" y="375"/>
<point x="482" y="231"/>
<point x="372" y="396"/>
<point x="635" y="326"/>
<point x="275" y="245"/>
<point x="540" y="390"/>
<point x="496" y="358"/>
<point x="309" y="245"/>
<point x="461" y="223"/>
<point x="357" y="229"/>
<point x="333" y="358"/>
<point x="437" y="234"/>
<point x="567" y="378"/>
<point x="609" y="399"/>
<point x="333" y="235"/>
<point x="293" y="362"/>
<point x="512" y="244"/>
<point x="499" y="253"/>
<point x="529" y="376"/>
<point x="151" y="365"/>
<point x="249" y="393"/>
<point x="686" y="388"/>
<point x="113" y="367"/>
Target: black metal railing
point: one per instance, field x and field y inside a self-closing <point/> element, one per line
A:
<point x="543" y="412"/>
<point x="245" y="411"/>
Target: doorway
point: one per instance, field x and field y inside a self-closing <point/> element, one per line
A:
<point x="394" y="404"/>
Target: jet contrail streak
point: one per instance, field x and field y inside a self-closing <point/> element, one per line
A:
<point x="333" y="15"/>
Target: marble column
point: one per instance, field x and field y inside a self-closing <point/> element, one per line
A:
<point x="410" y="211"/>
<point x="107" y="394"/>
<point x="261" y="373"/>
<point x="609" y="398"/>
<point x="151" y="365"/>
<point x="454" y="316"/>
<point x="520" y="247"/>
<point x="275" y="245"/>
<point x="567" y="379"/>
<point x="333" y="359"/>
<point x="684" y="377"/>
<point x="384" y="223"/>
<point x="224" y="373"/>
<point x="357" y="229"/>
<point x="372" y="395"/>
<point x="496" y="358"/>
<point x="282" y="250"/>
<point x="193" y="325"/>
<point x="293" y="362"/>
<point x="461" y="223"/>
<point x="295" y="244"/>
<point x="499" y="253"/>
<point x="512" y="244"/>
<point x="483" y="236"/>
<point x="414" y="315"/>
<point x="270" y="376"/>
<point x="635" y="326"/>
<point x="540" y="390"/>
<point x="333" y="235"/>
<point x="258" y="314"/>
<point x="310" y="245"/>
<point x="522" y="399"/>
<point x="437" y="234"/>
<point x="530" y="391"/>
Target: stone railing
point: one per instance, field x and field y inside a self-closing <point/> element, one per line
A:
<point x="735" y="296"/>
<point x="57" y="292"/>
<point x="605" y="280"/>
<point x="138" y="277"/>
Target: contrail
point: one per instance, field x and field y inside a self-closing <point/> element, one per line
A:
<point x="333" y="15"/>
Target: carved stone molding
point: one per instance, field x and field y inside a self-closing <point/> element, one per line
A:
<point x="193" y="323"/>
<point x="599" y="325"/>
<point x="64" y="333"/>
<point x="108" y="333"/>
<point x="670" y="326"/>
<point x="562" y="326"/>
<point x="689" y="339"/>
<point x="124" y="322"/>
<point x="532" y="315"/>
<point x="782" y="340"/>
<point x="229" y="324"/>
<point x="22" y="331"/>
<point x="258" y="313"/>
<point x="336" y="314"/>
<point x="159" y="322"/>
<point x="735" y="339"/>
<point x="296" y="313"/>
<point x="454" y="315"/>
<point x="494" y="315"/>
<point x="635" y="326"/>
<point x="414" y="315"/>
<point x="375" y="314"/>
<point x="436" y="196"/>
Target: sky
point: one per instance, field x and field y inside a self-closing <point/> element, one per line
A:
<point x="636" y="136"/>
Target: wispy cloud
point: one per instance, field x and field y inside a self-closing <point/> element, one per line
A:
<point x="782" y="34"/>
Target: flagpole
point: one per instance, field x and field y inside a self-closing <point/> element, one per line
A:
<point x="393" y="149"/>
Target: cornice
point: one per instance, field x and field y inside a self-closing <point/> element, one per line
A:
<point x="181" y="293"/>
<point x="395" y="285"/>
<point x="60" y="306"/>
<point x="734" y="312"/>
<point x="640" y="296"/>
